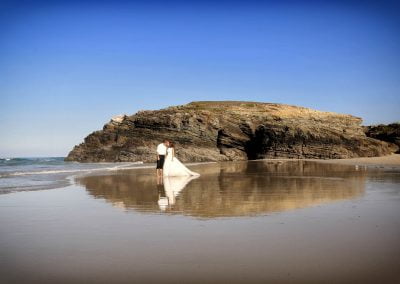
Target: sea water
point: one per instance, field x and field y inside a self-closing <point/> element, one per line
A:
<point x="21" y="174"/>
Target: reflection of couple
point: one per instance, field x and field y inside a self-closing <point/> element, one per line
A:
<point x="168" y="164"/>
<point x="169" y="188"/>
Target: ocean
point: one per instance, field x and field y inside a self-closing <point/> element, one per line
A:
<point x="22" y="174"/>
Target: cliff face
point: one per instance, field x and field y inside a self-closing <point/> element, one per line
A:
<point x="389" y="133"/>
<point x="222" y="131"/>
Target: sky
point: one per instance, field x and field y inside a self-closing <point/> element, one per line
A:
<point x="67" y="67"/>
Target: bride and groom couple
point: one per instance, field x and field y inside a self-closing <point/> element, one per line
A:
<point x="168" y="164"/>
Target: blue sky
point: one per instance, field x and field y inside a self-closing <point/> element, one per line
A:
<point x="67" y="67"/>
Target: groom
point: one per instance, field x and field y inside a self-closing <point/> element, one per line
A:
<point x="161" y="152"/>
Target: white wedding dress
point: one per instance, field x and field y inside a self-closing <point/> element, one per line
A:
<point x="174" y="167"/>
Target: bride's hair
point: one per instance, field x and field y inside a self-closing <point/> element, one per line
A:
<point x="171" y="144"/>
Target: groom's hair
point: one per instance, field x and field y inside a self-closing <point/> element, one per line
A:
<point x="165" y="140"/>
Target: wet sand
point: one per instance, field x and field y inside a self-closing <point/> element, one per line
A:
<point x="239" y="222"/>
<point x="384" y="161"/>
<point x="388" y="161"/>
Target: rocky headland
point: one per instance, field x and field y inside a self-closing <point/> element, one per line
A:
<point x="229" y="130"/>
<point x="385" y="132"/>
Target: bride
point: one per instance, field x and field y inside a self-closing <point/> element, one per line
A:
<point x="174" y="167"/>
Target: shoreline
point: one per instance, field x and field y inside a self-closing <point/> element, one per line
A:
<point x="68" y="175"/>
<point x="383" y="161"/>
<point x="392" y="161"/>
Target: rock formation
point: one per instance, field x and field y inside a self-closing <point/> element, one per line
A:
<point x="389" y="133"/>
<point x="223" y="131"/>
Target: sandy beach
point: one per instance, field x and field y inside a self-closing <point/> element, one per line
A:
<point x="240" y="222"/>
<point x="388" y="161"/>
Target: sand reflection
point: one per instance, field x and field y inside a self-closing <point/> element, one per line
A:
<point x="230" y="189"/>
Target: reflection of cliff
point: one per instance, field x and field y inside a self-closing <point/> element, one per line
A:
<point x="236" y="189"/>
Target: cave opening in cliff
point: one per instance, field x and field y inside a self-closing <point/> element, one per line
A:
<point x="256" y="147"/>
